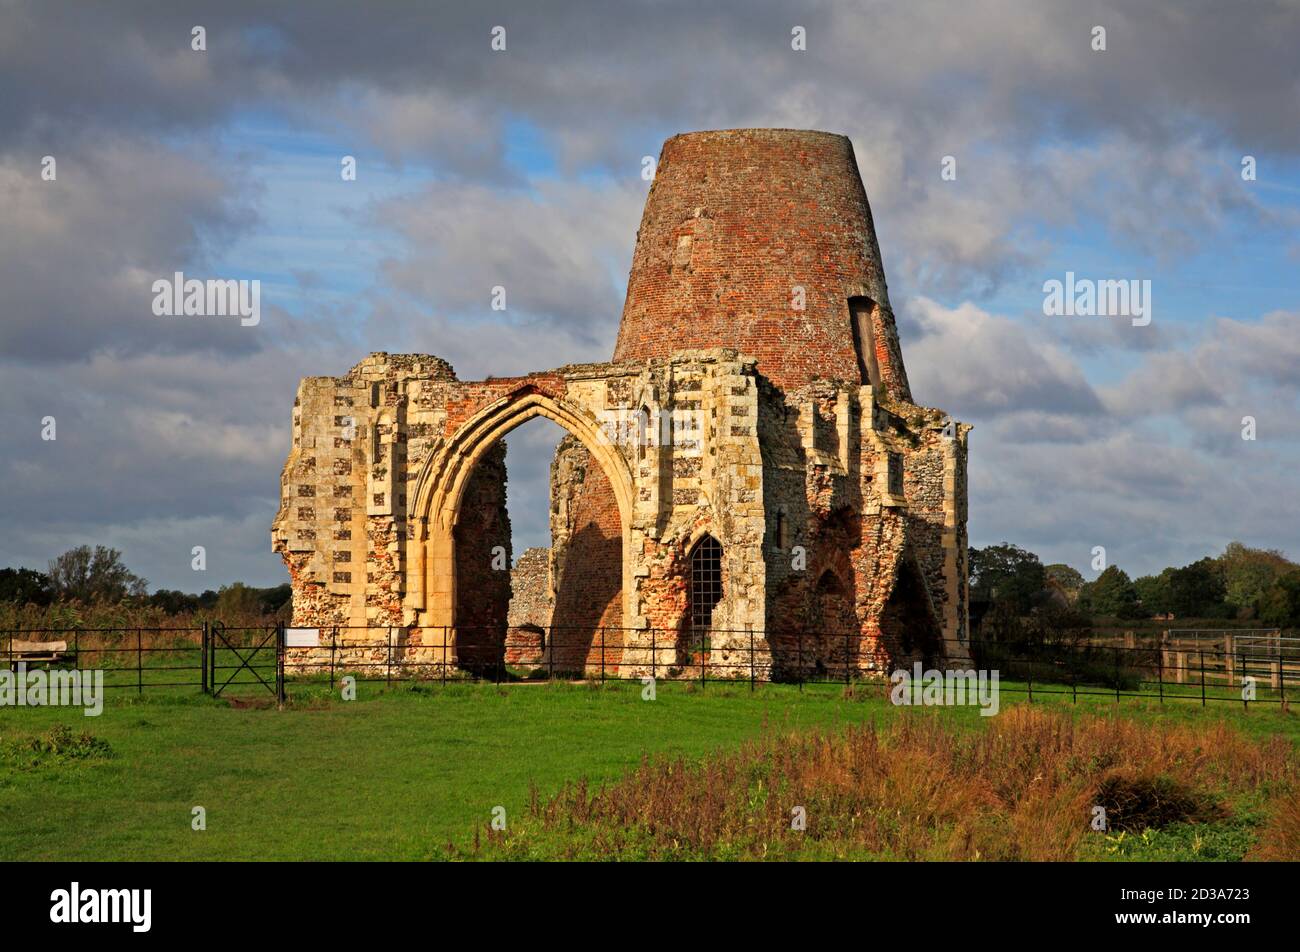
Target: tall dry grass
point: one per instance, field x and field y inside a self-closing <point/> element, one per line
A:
<point x="78" y="616"/>
<point x="1280" y="838"/>
<point x="110" y="635"/>
<point x="920" y="788"/>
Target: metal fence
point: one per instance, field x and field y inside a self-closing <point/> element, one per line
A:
<point x="1239" y="672"/>
<point x="208" y="658"/>
<point x="535" y="653"/>
<point x="218" y="660"/>
<point x="131" y="658"/>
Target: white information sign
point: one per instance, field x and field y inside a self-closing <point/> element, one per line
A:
<point x="302" y="637"/>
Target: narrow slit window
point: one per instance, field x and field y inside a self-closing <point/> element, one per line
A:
<point x="861" y="310"/>
<point x="895" y="474"/>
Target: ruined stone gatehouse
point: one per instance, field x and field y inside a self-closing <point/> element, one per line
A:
<point x="747" y="480"/>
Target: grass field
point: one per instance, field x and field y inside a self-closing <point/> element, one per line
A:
<point x="400" y="774"/>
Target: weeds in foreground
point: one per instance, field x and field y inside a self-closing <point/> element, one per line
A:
<point x="1280" y="838"/>
<point x="921" y="788"/>
<point x="60" y="744"/>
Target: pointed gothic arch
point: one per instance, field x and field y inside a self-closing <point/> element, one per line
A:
<point x="440" y="489"/>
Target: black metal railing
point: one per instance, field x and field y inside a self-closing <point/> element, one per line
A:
<point x="220" y="660"/>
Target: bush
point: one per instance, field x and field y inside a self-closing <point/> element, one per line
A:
<point x="25" y="587"/>
<point x="1135" y="800"/>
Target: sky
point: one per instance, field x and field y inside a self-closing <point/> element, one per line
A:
<point x="521" y="168"/>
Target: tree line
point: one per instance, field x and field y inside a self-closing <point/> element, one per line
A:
<point x="97" y="577"/>
<point x="1008" y="583"/>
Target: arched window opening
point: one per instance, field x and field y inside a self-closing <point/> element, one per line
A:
<point x="705" y="589"/>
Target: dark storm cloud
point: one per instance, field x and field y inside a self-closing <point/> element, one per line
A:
<point x="154" y="453"/>
<point x="989" y="83"/>
<point x="1016" y="69"/>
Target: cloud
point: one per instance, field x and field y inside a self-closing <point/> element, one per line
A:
<point x="79" y="255"/>
<point x="1152" y="466"/>
<point x="1246" y="365"/>
<point x="978" y="364"/>
<point x="985" y="63"/>
<point x="1038" y="121"/>
<point x="150" y="445"/>
<point x="530" y="450"/>
<point x="561" y="252"/>
<point x="467" y="140"/>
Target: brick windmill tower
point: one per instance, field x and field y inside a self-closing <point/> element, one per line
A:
<point x="762" y="241"/>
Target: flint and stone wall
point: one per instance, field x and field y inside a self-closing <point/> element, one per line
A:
<point x="531" y="606"/>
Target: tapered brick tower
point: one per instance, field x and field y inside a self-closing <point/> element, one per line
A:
<point x="762" y="240"/>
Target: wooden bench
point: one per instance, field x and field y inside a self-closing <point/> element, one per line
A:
<point x="39" y="652"/>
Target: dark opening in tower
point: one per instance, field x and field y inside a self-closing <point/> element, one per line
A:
<point x="861" y="311"/>
<point x="705" y="590"/>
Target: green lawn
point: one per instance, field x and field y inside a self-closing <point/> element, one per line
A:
<point x="391" y="777"/>
<point x="397" y="774"/>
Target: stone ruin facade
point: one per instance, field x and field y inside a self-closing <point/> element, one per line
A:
<point x="748" y="481"/>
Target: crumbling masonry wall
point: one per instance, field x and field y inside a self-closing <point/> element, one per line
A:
<point x="421" y="450"/>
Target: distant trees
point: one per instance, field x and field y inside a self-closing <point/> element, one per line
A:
<point x="1249" y="573"/>
<point x="1064" y="579"/>
<point x="94" y="575"/>
<point x="1014" y="598"/>
<point x="25" y="587"/>
<point x="1232" y="585"/>
<point x="1193" y="591"/>
<point x="176" y="603"/>
<point x="1008" y="575"/>
<point x="1280" y="603"/>
<point x="1153" y="593"/>
<point x="1011" y="591"/>
<point x="1111" y="594"/>
<point x="97" y="577"/>
<point x="1197" y="591"/>
<point x="1008" y="584"/>
<point x="238" y="598"/>
<point x="230" y="601"/>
